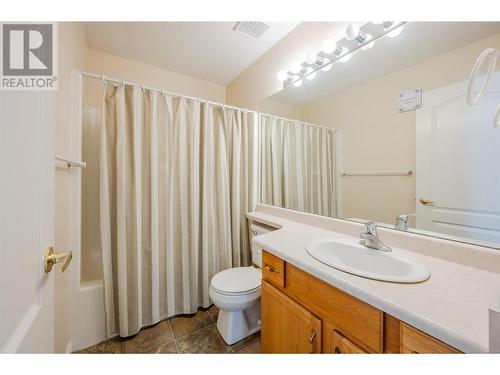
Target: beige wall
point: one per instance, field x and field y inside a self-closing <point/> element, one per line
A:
<point x="258" y="82"/>
<point x="72" y="55"/>
<point x="134" y="71"/>
<point x="281" y="109"/>
<point x="375" y="136"/>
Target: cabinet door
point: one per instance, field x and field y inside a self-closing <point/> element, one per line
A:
<point x="287" y="327"/>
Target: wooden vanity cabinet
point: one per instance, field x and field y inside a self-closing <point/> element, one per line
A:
<point x="414" y="341"/>
<point x="303" y="314"/>
<point x="287" y="327"/>
<point x="348" y="316"/>
<point x="273" y="270"/>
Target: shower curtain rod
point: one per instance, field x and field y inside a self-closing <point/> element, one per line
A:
<point x="103" y="77"/>
<point x="302" y="122"/>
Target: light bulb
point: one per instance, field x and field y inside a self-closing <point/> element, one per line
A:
<point x="368" y="46"/>
<point x="310" y="74"/>
<point x="352" y="31"/>
<point x="312" y="58"/>
<point x="394" y="33"/>
<point x="282" y="75"/>
<point x="346" y="57"/>
<point x="295" y="67"/>
<point x="329" y="46"/>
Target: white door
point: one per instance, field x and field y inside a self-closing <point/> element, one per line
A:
<point x="26" y="221"/>
<point x="458" y="164"/>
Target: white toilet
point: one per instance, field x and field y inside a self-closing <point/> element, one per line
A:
<point x="236" y="292"/>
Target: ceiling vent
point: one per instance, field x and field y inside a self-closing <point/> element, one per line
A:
<point x="253" y="29"/>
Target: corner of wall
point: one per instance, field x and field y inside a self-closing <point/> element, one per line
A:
<point x="72" y="55"/>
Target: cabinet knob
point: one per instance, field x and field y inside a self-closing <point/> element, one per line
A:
<point x="271" y="269"/>
<point x="337" y="350"/>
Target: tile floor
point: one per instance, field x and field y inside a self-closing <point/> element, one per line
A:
<point x="196" y="333"/>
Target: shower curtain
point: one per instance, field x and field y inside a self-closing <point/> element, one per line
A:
<point x="297" y="165"/>
<point x="176" y="181"/>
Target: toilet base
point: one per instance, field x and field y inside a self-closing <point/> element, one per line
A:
<point x="234" y="326"/>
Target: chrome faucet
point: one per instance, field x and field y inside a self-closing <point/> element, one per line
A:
<point x="401" y="223"/>
<point x="370" y="238"/>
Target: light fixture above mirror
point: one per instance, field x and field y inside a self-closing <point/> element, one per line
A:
<point x="356" y="37"/>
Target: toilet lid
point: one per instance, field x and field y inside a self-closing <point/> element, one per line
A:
<point x="237" y="280"/>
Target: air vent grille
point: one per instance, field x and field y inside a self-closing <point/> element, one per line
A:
<point x="253" y="29"/>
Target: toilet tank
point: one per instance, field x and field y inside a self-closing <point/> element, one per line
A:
<point x="257" y="230"/>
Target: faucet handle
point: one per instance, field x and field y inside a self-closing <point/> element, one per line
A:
<point x="401" y="222"/>
<point x="403" y="217"/>
<point x="371" y="239"/>
<point x="370" y="228"/>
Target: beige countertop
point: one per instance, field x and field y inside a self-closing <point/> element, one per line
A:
<point x="452" y="305"/>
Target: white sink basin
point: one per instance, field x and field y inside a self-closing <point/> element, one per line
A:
<point x="352" y="257"/>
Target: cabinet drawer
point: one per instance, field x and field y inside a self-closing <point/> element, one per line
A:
<point x="414" y="341"/>
<point x="350" y="316"/>
<point x="341" y="345"/>
<point x="273" y="269"/>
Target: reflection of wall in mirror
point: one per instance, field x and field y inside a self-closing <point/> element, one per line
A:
<point x="281" y="109"/>
<point x="375" y="136"/>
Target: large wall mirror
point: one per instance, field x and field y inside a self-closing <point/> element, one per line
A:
<point x="385" y="133"/>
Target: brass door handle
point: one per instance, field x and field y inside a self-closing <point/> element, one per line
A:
<point x="271" y="269"/>
<point x="53" y="258"/>
<point x="425" y="201"/>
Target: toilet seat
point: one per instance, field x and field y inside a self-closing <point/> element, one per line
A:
<point x="235" y="294"/>
<point x="237" y="281"/>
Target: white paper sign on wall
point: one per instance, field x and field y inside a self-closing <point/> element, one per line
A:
<point x="410" y="100"/>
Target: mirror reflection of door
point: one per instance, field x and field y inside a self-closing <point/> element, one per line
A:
<point x="458" y="164"/>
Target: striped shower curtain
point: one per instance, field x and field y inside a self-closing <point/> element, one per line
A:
<point x="176" y="181"/>
<point x="297" y="165"/>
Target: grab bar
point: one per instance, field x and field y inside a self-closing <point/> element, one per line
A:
<point x="69" y="163"/>
<point x="408" y="172"/>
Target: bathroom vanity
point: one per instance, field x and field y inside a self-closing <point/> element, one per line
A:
<point x="376" y="147"/>
<point x="303" y="314"/>
<point x="310" y="307"/>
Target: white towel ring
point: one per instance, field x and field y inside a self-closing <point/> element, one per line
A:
<point x="491" y="53"/>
